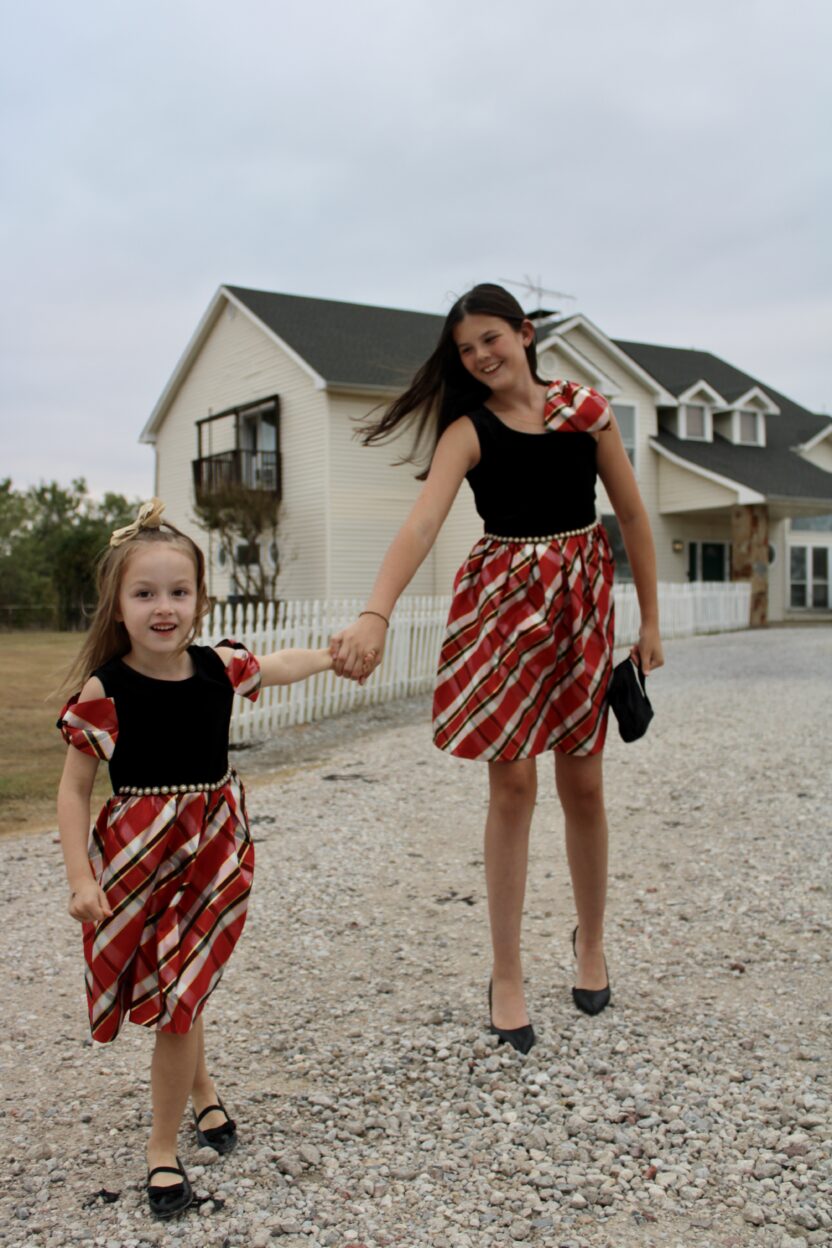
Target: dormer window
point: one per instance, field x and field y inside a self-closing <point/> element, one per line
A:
<point x="743" y="418"/>
<point x="749" y="428"/>
<point x="696" y="422"/>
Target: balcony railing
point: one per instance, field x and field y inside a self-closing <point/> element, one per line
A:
<point x="250" y="470"/>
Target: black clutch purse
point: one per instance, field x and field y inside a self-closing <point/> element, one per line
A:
<point x="629" y="701"/>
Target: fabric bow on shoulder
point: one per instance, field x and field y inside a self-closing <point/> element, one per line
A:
<point x="575" y="409"/>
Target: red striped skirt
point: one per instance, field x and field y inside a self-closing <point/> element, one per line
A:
<point x="177" y="872"/>
<point x="527" y="654"/>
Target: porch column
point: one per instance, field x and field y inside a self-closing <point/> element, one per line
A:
<point x="749" y="556"/>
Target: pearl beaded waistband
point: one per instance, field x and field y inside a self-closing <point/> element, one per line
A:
<point x="163" y="790"/>
<point x="551" y="537"/>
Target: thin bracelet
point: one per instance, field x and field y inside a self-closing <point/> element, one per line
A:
<point x="378" y="613"/>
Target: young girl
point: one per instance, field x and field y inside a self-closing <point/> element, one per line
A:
<point x="527" y="654"/>
<point x="162" y="883"/>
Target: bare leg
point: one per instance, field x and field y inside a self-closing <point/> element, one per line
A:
<point x="580" y="788"/>
<point x="513" y="788"/>
<point x="171" y="1078"/>
<point x="204" y="1090"/>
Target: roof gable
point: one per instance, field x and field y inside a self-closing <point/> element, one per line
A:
<point x="350" y="344"/>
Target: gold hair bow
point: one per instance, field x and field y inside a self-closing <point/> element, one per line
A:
<point x="149" y="517"/>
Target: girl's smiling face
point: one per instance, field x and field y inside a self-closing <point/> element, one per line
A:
<point x="492" y="350"/>
<point x="157" y="597"/>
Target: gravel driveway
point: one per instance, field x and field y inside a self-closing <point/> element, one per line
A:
<point x="349" y="1034"/>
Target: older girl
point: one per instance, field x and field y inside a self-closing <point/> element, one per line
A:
<point x="527" y="654"/>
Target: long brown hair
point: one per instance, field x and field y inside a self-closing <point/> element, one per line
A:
<point x="443" y="389"/>
<point x="107" y="637"/>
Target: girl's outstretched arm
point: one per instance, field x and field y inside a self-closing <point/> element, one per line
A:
<point x="457" y="452"/>
<point x="87" y="901"/>
<point x="616" y="472"/>
<point x="284" y="667"/>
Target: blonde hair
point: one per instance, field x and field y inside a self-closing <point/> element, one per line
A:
<point x="107" y="637"/>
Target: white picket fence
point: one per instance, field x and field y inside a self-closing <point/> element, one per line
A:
<point x="413" y="645"/>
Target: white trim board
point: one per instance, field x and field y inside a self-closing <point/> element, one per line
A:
<point x="702" y="387"/>
<point x="755" y="392"/>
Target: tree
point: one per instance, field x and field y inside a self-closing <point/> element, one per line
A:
<point x="244" y="522"/>
<point x="50" y="541"/>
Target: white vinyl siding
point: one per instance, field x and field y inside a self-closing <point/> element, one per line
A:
<point x="681" y="490"/>
<point x="369" y="498"/>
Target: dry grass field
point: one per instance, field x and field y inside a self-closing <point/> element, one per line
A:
<point x="32" y="666"/>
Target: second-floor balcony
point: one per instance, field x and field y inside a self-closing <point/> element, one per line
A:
<point x="240" y="469"/>
<point x="252" y="462"/>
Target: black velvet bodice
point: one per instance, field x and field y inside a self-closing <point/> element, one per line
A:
<point x="170" y="731"/>
<point x="529" y="484"/>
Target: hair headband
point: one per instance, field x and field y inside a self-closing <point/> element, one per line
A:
<point x="149" y="517"/>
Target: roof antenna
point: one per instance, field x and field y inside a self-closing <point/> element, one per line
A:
<point x="538" y="290"/>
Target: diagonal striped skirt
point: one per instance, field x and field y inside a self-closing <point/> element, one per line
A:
<point x="527" y="654"/>
<point x="177" y="872"/>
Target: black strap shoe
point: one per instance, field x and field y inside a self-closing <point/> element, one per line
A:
<point x="167" y="1202"/>
<point x="222" y="1138"/>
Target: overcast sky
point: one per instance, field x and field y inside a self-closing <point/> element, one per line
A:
<point x="666" y="163"/>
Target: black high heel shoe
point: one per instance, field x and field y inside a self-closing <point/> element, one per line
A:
<point x="590" y="1000"/>
<point x="222" y="1138"/>
<point x="520" y="1038"/>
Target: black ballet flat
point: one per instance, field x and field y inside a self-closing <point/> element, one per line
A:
<point x="520" y="1038"/>
<point x="590" y="1000"/>
<point x="167" y="1202"/>
<point x="222" y="1138"/>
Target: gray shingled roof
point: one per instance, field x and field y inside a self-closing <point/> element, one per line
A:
<point x="348" y="343"/>
<point x="775" y="470"/>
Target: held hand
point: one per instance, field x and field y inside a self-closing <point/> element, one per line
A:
<point x="88" y="903"/>
<point x="648" y="650"/>
<point x="358" y="649"/>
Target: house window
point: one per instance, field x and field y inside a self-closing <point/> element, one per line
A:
<point x="809" y="577"/>
<point x="623" y="571"/>
<point x="247" y="554"/>
<point x="695" y="421"/>
<point x="625" y="415"/>
<point x="749" y="428"/>
<point x="812" y="524"/>
<point x="709" y="561"/>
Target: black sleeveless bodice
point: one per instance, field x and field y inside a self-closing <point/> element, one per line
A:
<point x="170" y="731"/>
<point x="530" y="484"/>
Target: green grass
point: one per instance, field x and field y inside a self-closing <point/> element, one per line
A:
<point x="32" y="668"/>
